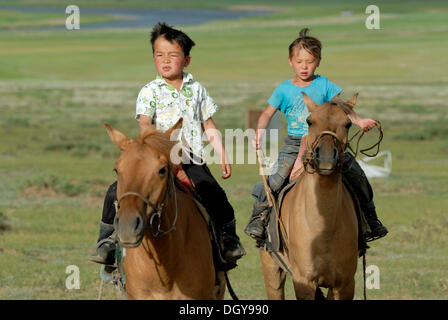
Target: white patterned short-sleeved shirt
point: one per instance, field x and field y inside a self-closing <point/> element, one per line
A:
<point x="165" y="105"/>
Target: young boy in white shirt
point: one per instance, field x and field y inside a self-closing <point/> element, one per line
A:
<point x="174" y="94"/>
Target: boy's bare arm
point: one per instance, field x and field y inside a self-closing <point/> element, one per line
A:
<point x="364" y="123"/>
<point x="144" y="123"/>
<point x="214" y="137"/>
<point x="263" y="122"/>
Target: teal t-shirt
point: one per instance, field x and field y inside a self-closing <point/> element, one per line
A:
<point x="287" y="97"/>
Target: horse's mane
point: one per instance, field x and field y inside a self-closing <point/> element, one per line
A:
<point x="344" y="105"/>
<point x="158" y="141"/>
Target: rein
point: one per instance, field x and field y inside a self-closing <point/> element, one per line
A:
<point x="156" y="208"/>
<point x="364" y="151"/>
<point x="310" y="155"/>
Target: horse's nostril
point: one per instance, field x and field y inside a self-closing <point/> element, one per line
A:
<point x="138" y="224"/>
<point x="335" y="153"/>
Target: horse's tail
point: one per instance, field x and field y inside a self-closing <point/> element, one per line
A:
<point x="229" y="287"/>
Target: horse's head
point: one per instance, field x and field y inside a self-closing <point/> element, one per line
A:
<point x="143" y="173"/>
<point x="328" y="127"/>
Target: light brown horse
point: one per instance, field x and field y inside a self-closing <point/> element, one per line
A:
<point x="318" y="214"/>
<point x="168" y="249"/>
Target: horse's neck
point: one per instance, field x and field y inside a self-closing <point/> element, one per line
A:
<point x="322" y="196"/>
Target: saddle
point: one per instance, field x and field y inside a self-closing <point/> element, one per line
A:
<point x="273" y="241"/>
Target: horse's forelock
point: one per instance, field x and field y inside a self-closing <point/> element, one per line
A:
<point x="157" y="141"/>
<point x="338" y="101"/>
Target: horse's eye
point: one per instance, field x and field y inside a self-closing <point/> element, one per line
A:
<point x="309" y="122"/>
<point x="348" y="125"/>
<point x="162" y="171"/>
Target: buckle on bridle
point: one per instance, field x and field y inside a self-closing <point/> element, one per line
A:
<point x="151" y="224"/>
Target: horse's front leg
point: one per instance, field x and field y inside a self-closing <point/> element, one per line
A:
<point x="304" y="289"/>
<point x="343" y="293"/>
<point x="274" y="277"/>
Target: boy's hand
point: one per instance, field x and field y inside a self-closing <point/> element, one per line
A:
<point x="226" y="170"/>
<point x="367" y="124"/>
<point x="256" y="144"/>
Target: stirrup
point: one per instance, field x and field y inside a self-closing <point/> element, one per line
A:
<point x="256" y="227"/>
<point x="109" y="260"/>
<point x="254" y="236"/>
<point x="371" y="237"/>
<point x="232" y="255"/>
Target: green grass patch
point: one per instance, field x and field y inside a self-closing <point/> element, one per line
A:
<point x="55" y="183"/>
<point x="428" y="132"/>
<point x="16" y="20"/>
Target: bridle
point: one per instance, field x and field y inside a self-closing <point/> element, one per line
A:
<point x="342" y="145"/>
<point x="156" y="217"/>
<point x="310" y="157"/>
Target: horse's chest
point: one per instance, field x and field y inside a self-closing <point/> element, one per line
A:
<point x="324" y="265"/>
<point x="324" y="271"/>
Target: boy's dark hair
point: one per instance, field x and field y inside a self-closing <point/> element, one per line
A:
<point x="171" y="34"/>
<point x="311" y="44"/>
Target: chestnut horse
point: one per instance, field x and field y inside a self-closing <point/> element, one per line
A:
<point x="318" y="213"/>
<point x="168" y="248"/>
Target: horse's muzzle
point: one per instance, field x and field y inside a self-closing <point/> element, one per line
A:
<point x="326" y="160"/>
<point x="130" y="229"/>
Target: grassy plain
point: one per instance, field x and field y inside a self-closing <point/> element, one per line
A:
<point x="58" y="87"/>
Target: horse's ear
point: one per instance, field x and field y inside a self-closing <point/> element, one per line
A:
<point x="177" y="126"/>
<point x="352" y="100"/>
<point x="310" y="104"/>
<point x="121" y="140"/>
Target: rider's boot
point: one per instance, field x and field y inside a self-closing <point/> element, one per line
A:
<point x="105" y="248"/>
<point x="361" y="186"/>
<point x="232" y="247"/>
<point x="256" y="227"/>
<point x="378" y="230"/>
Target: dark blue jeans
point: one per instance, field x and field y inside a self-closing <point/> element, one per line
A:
<point x="286" y="158"/>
